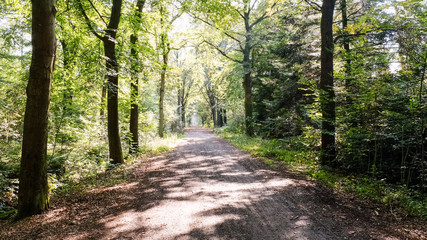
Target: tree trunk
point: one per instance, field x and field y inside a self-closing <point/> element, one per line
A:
<point x="112" y="76"/>
<point x="214" y="116"/>
<point x="103" y="96"/>
<point x="212" y="103"/>
<point x="224" y="115"/>
<point x="183" y="116"/>
<point x="423" y="127"/>
<point x="33" y="186"/>
<point x="179" y="109"/>
<point x="164" y="44"/>
<point x="327" y="94"/>
<point x="114" y="143"/>
<point x="162" y="96"/>
<point x="133" y="118"/>
<point x="346" y="44"/>
<point x="184" y="98"/>
<point x="219" y="117"/>
<point x="247" y="85"/>
<point x="247" y="79"/>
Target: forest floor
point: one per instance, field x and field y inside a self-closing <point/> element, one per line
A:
<point x="207" y="189"/>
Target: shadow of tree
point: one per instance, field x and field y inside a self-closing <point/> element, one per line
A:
<point x="204" y="189"/>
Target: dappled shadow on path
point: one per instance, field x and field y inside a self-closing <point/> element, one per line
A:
<point x="206" y="189"/>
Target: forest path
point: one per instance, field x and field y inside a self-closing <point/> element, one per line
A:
<point x="207" y="189"/>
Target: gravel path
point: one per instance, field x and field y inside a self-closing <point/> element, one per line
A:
<point x="207" y="189"/>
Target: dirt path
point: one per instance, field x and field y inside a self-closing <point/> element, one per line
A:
<point x="207" y="189"/>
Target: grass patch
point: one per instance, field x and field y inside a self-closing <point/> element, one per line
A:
<point x="288" y="151"/>
<point x="299" y="157"/>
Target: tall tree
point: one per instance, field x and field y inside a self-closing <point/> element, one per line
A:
<point x="33" y="187"/>
<point x="185" y="84"/>
<point x="346" y="42"/>
<point x="165" y="50"/>
<point x="112" y="76"/>
<point x="209" y="90"/>
<point x="133" y="119"/>
<point x="245" y="43"/>
<point x="327" y="94"/>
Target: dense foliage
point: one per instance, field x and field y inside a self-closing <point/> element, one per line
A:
<point x="252" y="66"/>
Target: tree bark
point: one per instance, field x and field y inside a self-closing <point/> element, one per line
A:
<point x="219" y="117"/>
<point x="103" y="96"/>
<point x="162" y="96"/>
<point x="346" y="45"/>
<point x="178" y="110"/>
<point x="210" y="92"/>
<point x="183" y="117"/>
<point x="327" y="94"/>
<point x="214" y="116"/>
<point x="164" y="44"/>
<point x="115" y="147"/>
<point x="33" y="186"/>
<point x="247" y="85"/>
<point x="133" y="118"/>
<point x="134" y="113"/>
<point x="112" y="75"/>
<point x="112" y="78"/>
<point x="184" y="101"/>
<point x="247" y="78"/>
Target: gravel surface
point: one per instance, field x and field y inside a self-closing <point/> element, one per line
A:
<point x="207" y="189"/>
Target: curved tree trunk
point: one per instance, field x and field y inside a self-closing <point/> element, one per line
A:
<point x="33" y="187"/>
<point x="327" y="94"/>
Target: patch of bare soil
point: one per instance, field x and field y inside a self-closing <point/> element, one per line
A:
<point x="208" y="189"/>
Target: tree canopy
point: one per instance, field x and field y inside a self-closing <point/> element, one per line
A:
<point x="346" y="80"/>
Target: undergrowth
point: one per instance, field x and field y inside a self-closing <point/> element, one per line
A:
<point x="79" y="173"/>
<point x="112" y="175"/>
<point x="298" y="155"/>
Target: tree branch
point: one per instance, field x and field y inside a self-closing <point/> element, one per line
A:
<point x="96" y="10"/>
<point x="222" y="52"/>
<point x="223" y="31"/>
<point x="87" y="20"/>
<point x="314" y="5"/>
<point x="264" y="16"/>
<point x="253" y="5"/>
<point x="240" y="14"/>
